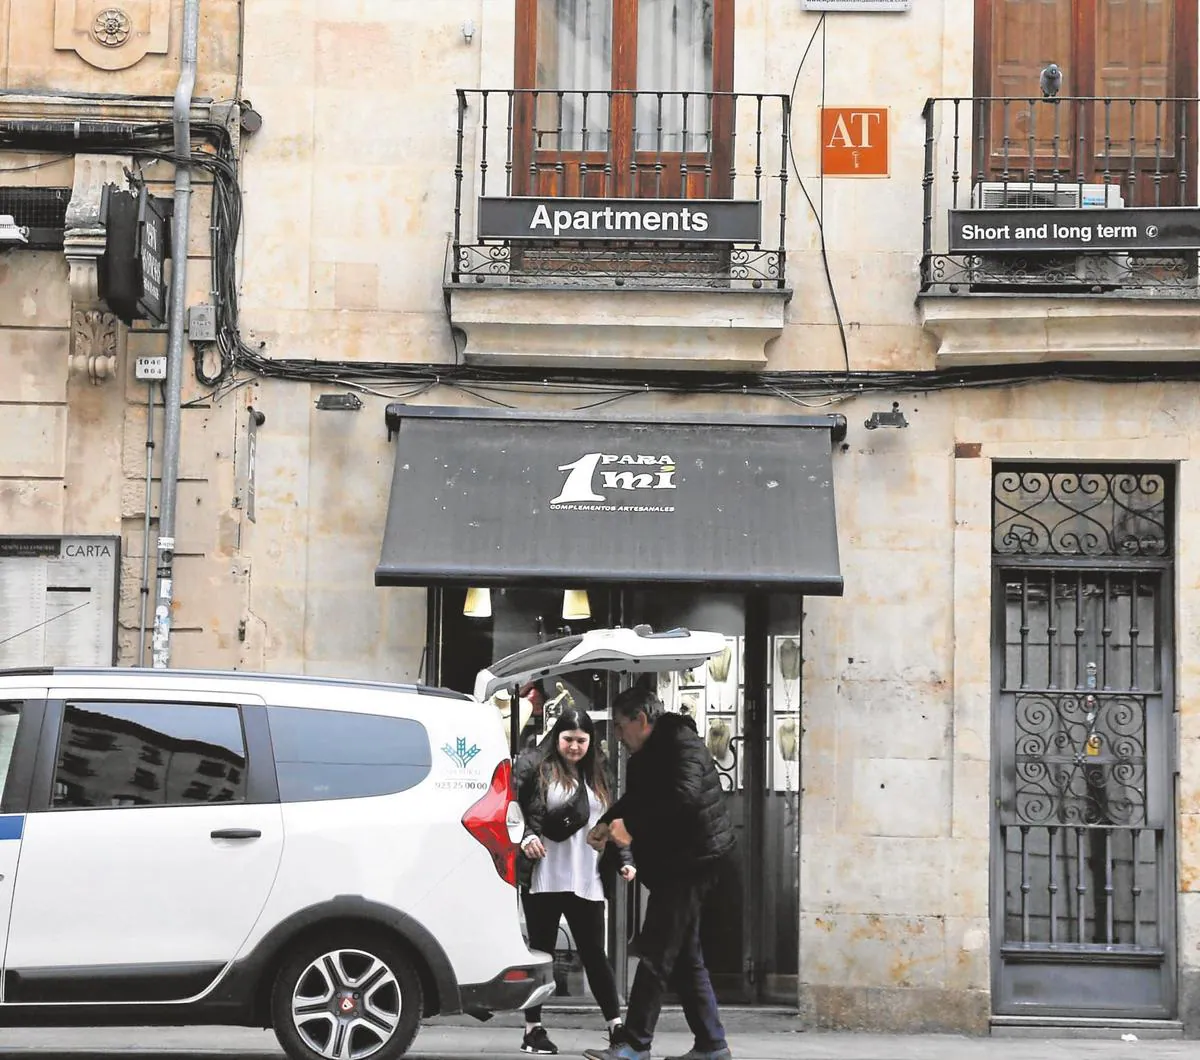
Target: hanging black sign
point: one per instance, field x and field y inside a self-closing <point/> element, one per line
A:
<point x="1159" y="229"/>
<point x="152" y="253"/>
<point x="136" y="248"/>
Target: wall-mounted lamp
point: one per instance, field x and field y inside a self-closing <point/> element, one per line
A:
<point x="895" y="418"/>
<point x="250" y="119"/>
<point x="576" y="606"/>
<point x="468" y="30"/>
<point x="340" y="402"/>
<point x="478" y="603"/>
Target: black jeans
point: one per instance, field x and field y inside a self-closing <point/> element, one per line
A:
<point x="670" y="957"/>
<point x="586" y="921"/>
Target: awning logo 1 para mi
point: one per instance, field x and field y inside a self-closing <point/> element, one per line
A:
<point x="613" y="473"/>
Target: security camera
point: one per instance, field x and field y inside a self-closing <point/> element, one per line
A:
<point x="10" y="231"/>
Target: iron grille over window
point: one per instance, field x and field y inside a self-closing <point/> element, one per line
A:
<point x="1086" y="510"/>
<point x="43" y="211"/>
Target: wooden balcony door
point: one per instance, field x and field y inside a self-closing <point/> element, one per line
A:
<point x="1106" y="49"/>
<point x="623" y="98"/>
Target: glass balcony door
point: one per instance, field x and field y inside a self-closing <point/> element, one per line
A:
<point x="620" y="98"/>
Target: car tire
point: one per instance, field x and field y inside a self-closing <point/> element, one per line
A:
<point x="351" y="994"/>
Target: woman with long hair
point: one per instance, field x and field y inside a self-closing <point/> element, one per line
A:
<point x="563" y="789"/>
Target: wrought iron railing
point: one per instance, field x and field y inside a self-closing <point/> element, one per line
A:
<point x="621" y="145"/>
<point x="1072" y="152"/>
<point x="1119" y="511"/>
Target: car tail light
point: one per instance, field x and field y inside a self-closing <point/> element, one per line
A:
<point x="488" y="822"/>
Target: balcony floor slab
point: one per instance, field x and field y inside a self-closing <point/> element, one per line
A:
<point x="632" y="328"/>
<point x="1024" y="329"/>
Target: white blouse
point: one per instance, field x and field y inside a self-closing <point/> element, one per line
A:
<point x="569" y="865"/>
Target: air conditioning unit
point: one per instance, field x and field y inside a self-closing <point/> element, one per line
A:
<point x="1041" y="195"/>
<point x="1047" y="270"/>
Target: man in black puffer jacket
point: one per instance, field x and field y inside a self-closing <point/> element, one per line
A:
<point x="673" y="812"/>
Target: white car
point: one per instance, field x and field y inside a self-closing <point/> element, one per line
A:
<point x="331" y="859"/>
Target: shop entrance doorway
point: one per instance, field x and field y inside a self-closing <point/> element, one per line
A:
<point x="746" y="706"/>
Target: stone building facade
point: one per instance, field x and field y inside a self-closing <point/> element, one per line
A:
<point x="992" y="816"/>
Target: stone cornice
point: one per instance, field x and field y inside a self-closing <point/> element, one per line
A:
<point x="46" y="106"/>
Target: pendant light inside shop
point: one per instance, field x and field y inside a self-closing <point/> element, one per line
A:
<point x="478" y="603"/>
<point x="576" y="606"/>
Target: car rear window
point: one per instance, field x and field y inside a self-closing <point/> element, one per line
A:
<point x="335" y="754"/>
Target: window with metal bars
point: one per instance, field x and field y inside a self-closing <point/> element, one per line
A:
<point x="43" y="211"/>
<point x="1088" y="510"/>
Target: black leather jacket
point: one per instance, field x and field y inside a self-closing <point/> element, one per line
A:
<point x="532" y="801"/>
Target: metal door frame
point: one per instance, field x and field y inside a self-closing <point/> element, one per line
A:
<point x="1046" y="963"/>
<point x="755" y="606"/>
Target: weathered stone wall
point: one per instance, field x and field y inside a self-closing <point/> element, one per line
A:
<point x="73" y="452"/>
<point x="349" y="194"/>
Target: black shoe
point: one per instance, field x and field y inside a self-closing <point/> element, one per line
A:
<point x="621" y="1051"/>
<point x="538" y="1041"/>
<point x="696" y="1053"/>
<point x="614" y="1035"/>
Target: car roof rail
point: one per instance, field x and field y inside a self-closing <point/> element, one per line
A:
<point x="231" y="675"/>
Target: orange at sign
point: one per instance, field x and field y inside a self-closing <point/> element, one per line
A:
<point x="854" y="141"/>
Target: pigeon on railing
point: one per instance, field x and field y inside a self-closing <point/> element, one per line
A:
<point x="1051" y="81"/>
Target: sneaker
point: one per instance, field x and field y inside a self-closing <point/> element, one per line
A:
<point x="538" y="1041"/>
<point x="621" y="1051"/>
<point x="696" y="1053"/>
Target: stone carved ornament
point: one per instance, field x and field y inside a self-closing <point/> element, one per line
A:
<point x="97" y="337"/>
<point x="112" y="36"/>
<point x="112" y="27"/>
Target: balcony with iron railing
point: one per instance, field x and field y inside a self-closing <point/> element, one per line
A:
<point x="676" y="199"/>
<point x="1039" y="213"/>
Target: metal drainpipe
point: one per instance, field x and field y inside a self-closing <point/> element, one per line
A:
<point x="160" y="645"/>
<point x="145" y="592"/>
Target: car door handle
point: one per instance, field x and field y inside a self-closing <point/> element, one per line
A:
<point x="236" y="833"/>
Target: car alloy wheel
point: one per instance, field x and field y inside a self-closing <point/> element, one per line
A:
<point x="346" y="1004"/>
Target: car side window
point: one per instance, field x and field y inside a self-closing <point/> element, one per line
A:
<point x="10" y="717"/>
<point x="334" y="754"/>
<point x="149" y="754"/>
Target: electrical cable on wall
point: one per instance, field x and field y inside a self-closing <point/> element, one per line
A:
<point x="818" y="215"/>
<point x="407" y="380"/>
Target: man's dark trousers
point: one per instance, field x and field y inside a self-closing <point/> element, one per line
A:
<point x="670" y="956"/>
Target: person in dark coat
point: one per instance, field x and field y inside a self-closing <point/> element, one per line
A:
<point x="673" y="815"/>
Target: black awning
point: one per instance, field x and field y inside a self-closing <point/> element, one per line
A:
<point x="500" y="498"/>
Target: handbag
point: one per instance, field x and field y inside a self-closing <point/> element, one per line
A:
<point x="564" y="821"/>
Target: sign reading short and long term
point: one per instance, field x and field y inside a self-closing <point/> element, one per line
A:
<point x="673" y="220"/>
<point x="1151" y="229"/>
